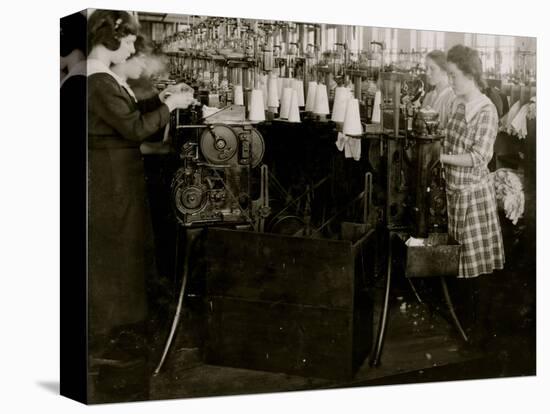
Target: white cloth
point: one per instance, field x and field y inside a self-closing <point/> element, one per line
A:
<point x="376" y="107"/>
<point x="518" y="126"/>
<point x="350" y="146"/>
<point x="97" y="66"/>
<point x="509" y="193"/>
<point x="507" y="119"/>
<point x="532" y="108"/>
<point x="416" y="242"/>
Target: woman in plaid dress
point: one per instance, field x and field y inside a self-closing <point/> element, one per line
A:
<point x="467" y="149"/>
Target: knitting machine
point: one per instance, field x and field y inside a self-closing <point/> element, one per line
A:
<point x="415" y="190"/>
<point x="214" y="184"/>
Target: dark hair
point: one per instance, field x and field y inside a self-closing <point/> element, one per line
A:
<point x="469" y="63"/>
<point x="107" y="27"/>
<point x="439" y="58"/>
<point x="143" y="45"/>
<point x="72" y="34"/>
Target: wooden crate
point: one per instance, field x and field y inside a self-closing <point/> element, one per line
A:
<point x="286" y="304"/>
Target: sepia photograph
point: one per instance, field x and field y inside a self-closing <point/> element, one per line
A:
<point x="277" y="205"/>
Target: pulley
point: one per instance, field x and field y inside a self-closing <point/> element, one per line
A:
<point x="258" y="148"/>
<point x="222" y="144"/>
<point x="219" y="145"/>
<point x="189" y="199"/>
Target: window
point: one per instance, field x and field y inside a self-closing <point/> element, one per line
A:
<point x="390" y="38"/>
<point x="331" y="38"/>
<point x="506" y="45"/>
<point x="486" y="45"/>
<point x="427" y="41"/>
<point x="440" y="40"/>
<point x="413" y="37"/>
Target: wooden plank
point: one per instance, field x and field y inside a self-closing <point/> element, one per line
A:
<point x="276" y="268"/>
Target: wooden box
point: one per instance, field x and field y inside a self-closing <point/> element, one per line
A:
<point x="286" y="304"/>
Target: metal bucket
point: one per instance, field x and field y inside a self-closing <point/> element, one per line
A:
<point x="440" y="257"/>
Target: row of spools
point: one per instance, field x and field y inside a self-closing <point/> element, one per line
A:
<point x="285" y="97"/>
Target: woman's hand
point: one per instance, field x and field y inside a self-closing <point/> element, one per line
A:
<point x="173" y="89"/>
<point x="179" y="100"/>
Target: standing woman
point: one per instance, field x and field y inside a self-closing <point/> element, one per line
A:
<point x="120" y="242"/>
<point x="441" y="97"/>
<point x="471" y="201"/>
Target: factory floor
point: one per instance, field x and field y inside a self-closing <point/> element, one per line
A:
<point x="421" y="344"/>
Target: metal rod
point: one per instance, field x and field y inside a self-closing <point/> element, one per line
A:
<point x="384" y="315"/>
<point x="414" y="290"/>
<point x="396" y="106"/>
<point x="367" y="197"/>
<point x="192" y="235"/>
<point x="451" y="308"/>
<point x="292" y="202"/>
<point x="342" y="210"/>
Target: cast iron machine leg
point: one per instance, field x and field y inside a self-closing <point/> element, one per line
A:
<point x="191" y="237"/>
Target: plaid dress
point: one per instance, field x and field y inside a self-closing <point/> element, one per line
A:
<point x="471" y="200"/>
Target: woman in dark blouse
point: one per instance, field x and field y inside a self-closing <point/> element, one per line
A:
<point x="120" y="242"/>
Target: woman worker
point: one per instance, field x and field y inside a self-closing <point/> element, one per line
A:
<point x="120" y="239"/>
<point x="440" y="98"/>
<point x="467" y="149"/>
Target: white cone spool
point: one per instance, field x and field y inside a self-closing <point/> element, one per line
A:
<point x="310" y="101"/>
<point x="352" y="122"/>
<point x="272" y="92"/>
<point x="294" y="112"/>
<point x="321" y="100"/>
<point x="376" y="107"/>
<point x="257" y="112"/>
<point x="280" y="88"/>
<point x="299" y="86"/>
<point x="238" y="98"/>
<point x="341" y="97"/>
<point x="285" y="103"/>
<point x="263" y="87"/>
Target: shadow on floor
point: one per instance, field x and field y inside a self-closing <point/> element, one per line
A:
<point x="51" y="386"/>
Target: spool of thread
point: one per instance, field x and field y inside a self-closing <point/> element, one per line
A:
<point x="273" y="92"/>
<point x="341" y="97"/>
<point x="310" y="101"/>
<point x="375" y="118"/>
<point x="280" y="88"/>
<point x="264" y="90"/>
<point x="238" y="98"/>
<point x="299" y="86"/>
<point x="352" y="122"/>
<point x="321" y="100"/>
<point x="294" y="111"/>
<point x="257" y="112"/>
<point x="285" y="103"/>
